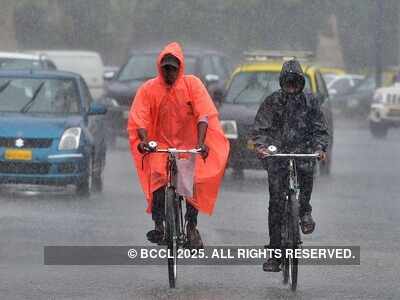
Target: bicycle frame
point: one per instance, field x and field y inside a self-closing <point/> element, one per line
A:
<point x="176" y="236"/>
<point x="290" y="234"/>
<point x="172" y="171"/>
<point x="293" y="182"/>
<point x="171" y="165"/>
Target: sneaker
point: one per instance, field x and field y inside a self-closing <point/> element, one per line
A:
<point x="156" y="235"/>
<point x="307" y="223"/>
<point x="193" y="237"/>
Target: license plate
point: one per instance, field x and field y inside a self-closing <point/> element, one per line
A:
<point x="15" y="154"/>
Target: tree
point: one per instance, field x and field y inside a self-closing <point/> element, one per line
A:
<point x="7" y="28"/>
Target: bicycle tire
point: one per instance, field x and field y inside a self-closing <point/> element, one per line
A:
<point x="285" y="270"/>
<point x="294" y="224"/>
<point x="294" y="230"/>
<point x="171" y="235"/>
<point x="284" y="242"/>
<point x="294" y="270"/>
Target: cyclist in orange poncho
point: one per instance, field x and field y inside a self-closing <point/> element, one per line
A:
<point x="176" y="111"/>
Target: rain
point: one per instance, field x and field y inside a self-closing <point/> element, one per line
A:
<point x="69" y="72"/>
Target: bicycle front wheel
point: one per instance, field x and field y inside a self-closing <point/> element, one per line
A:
<point x="294" y="269"/>
<point x="285" y="270"/>
<point x="285" y="237"/>
<point x="294" y="235"/>
<point x="171" y="235"/>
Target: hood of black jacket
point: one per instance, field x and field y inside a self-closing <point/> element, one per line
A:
<point x="288" y="69"/>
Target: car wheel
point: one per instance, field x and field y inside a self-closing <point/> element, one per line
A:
<point x="378" y="130"/>
<point x="84" y="187"/>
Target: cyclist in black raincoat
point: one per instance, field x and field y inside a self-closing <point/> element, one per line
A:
<point x="293" y="122"/>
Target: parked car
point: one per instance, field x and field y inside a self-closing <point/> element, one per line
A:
<point x="329" y="78"/>
<point x="385" y="110"/>
<point x="210" y="66"/>
<point x="109" y="72"/>
<point x="51" y="131"/>
<point x="343" y="83"/>
<point x="357" y="100"/>
<point x="15" y="60"/>
<point x="242" y="101"/>
<point x="330" y="73"/>
<point x="88" y="64"/>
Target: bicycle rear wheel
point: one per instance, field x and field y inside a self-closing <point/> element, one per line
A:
<point x="171" y="235"/>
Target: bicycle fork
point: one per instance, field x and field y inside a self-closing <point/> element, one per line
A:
<point x="293" y="188"/>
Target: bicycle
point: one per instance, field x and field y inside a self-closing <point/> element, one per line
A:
<point x="290" y="224"/>
<point x="175" y="235"/>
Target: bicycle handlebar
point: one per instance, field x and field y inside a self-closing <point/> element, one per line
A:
<point x="173" y="151"/>
<point x="294" y="155"/>
<point x="272" y="149"/>
<point x="153" y="149"/>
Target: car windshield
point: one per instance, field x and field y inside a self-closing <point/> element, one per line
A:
<point x="39" y="95"/>
<point x="367" y="84"/>
<point x="17" y="63"/>
<point x="329" y="78"/>
<point x="141" y="67"/>
<point x="254" y="87"/>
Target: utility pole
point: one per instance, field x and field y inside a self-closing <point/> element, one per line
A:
<point x="379" y="32"/>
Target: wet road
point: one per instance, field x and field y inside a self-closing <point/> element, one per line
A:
<point x="358" y="205"/>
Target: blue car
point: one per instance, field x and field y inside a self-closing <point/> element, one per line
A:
<point x="51" y="131"/>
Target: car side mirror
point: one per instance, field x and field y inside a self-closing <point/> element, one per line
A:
<point x="97" y="109"/>
<point x="211" y="78"/>
<point x="218" y="97"/>
<point x="108" y="102"/>
<point x="321" y="98"/>
<point x="109" y="75"/>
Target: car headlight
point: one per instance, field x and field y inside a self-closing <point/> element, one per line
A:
<point x="230" y="129"/>
<point x="114" y="102"/>
<point x="70" y="139"/>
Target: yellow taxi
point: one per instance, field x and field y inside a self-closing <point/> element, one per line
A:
<point x="242" y="100"/>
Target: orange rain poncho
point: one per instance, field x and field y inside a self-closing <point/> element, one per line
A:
<point x="170" y="115"/>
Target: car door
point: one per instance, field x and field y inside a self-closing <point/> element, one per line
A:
<point x="221" y="68"/>
<point x="207" y="69"/>
<point x="326" y="106"/>
<point x="94" y="123"/>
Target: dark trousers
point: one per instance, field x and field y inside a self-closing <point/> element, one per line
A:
<point x="278" y="183"/>
<point x="158" y="211"/>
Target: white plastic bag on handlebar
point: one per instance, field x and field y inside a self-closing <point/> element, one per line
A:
<point x="185" y="178"/>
